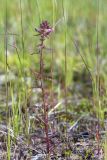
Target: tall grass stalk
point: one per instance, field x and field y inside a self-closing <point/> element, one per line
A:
<point x="22" y="31"/>
<point x="52" y="54"/>
<point x="22" y="73"/>
<point x="65" y="64"/>
<point x="6" y="83"/>
<point x="97" y="85"/>
<point x="6" y="58"/>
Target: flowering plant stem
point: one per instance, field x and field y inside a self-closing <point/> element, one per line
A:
<point x="44" y="31"/>
<point x="43" y="94"/>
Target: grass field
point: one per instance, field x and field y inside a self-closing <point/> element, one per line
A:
<point x="53" y="96"/>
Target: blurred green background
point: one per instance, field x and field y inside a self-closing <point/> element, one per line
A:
<point x="77" y="19"/>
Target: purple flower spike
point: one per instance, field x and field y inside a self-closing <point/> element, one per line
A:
<point x="44" y="30"/>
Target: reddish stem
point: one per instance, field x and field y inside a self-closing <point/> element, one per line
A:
<point x="43" y="94"/>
